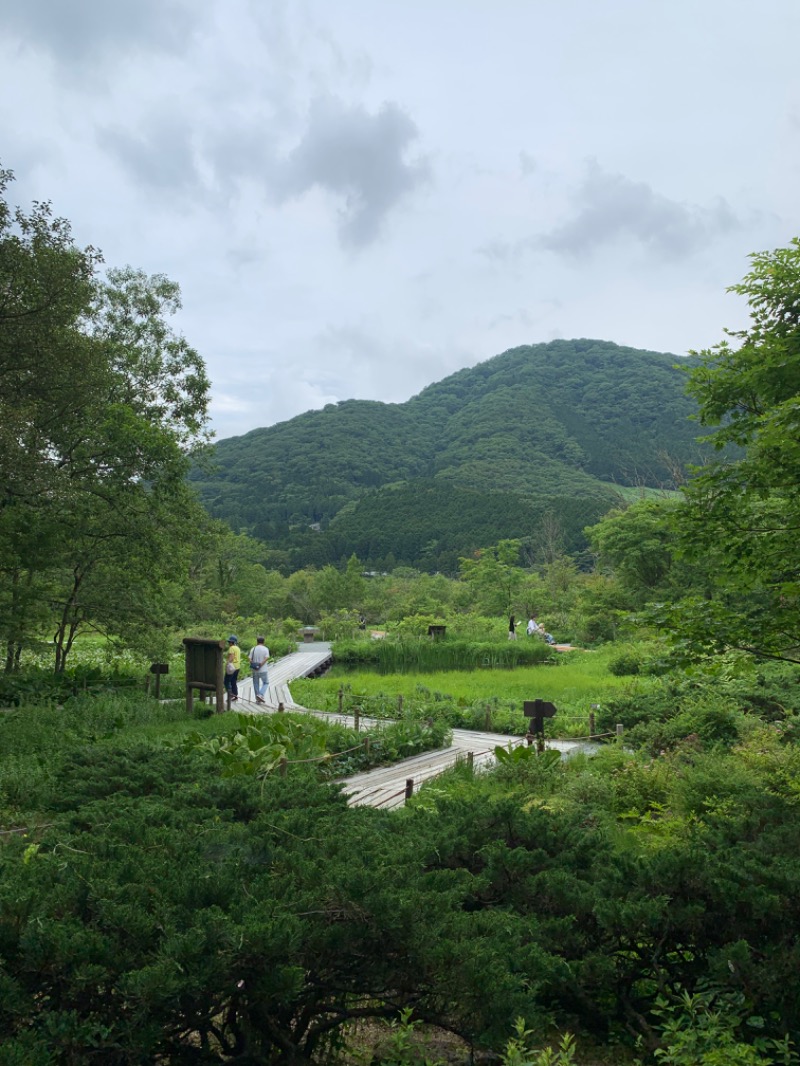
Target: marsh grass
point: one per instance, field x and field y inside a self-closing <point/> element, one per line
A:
<point x="463" y="697"/>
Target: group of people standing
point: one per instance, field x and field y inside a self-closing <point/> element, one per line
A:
<point x="257" y="657"/>
<point x="533" y="629"/>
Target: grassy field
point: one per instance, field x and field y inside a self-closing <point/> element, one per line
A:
<point x="578" y="680"/>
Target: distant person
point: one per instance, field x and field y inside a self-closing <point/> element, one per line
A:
<point x="533" y="626"/>
<point x="233" y="661"/>
<point x="512" y="628"/>
<point x="258" y="656"/>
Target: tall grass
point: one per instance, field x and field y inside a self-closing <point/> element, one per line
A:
<point x="423" y="655"/>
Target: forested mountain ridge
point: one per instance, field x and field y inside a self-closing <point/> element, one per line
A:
<point x="538" y="427"/>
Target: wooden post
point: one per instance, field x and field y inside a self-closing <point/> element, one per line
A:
<point x="283" y="766"/>
<point x="488" y="718"/>
<point x="158" y="685"/>
<point x="620" y="730"/>
<point x="147" y="685"/>
<point x="366" y="744"/>
<point x="409" y="787"/>
<point x="356" y="718"/>
<point x="471" y="760"/>
<point x="341" y="699"/>
<point x="400" y="706"/>
<point x="591" y="723"/>
<point x="280" y="707"/>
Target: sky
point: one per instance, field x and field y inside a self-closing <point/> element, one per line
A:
<point x="360" y="197"/>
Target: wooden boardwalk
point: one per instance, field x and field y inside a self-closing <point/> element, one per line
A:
<point x="307" y="660"/>
<point x="383" y="786"/>
<point x="386" y="786"/>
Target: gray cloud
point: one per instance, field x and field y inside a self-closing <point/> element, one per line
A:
<point x="160" y="157"/>
<point x="75" y="31"/>
<point x="527" y="164"/>
<point x="357" y="156"/>
<point x="611" y="207"/>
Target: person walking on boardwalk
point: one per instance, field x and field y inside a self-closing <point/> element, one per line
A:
<point x="258" y="656"/>
<point x="512" y="628"/>
<point x="232" y="663"/>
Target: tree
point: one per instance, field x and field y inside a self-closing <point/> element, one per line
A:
<point x="101" y="407"/>
<point x="741" y="514"/>
<point x="495" y="575"/>
<point x="638" y="544"/>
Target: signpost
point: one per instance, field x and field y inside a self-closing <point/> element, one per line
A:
<point x="204" y="665"/>
<point x="158" y="669"/>
<point x="537" y="711"/>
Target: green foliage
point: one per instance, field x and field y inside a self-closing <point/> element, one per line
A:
<point x="426" y="654"/>
<point x="521" y="754"/>
<point x="402" y="1046"/>
<point x="96" y="519"/>
<point x="706" y="706"/>
<point x="625" y="665"/>
<point x="740" y="518"/>
<point x="520" y="1052"/>
<point x="258" y="745"/>
<point x="151" y="901"/>
<point x="700" y="1029"/>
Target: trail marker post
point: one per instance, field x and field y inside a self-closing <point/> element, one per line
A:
<point x="537" y="711"/>
<point x="158" y="669"/>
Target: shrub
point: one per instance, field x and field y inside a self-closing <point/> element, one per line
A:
<point x="624" y="665"/>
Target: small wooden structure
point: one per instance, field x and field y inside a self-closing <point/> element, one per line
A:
<point x="537" y="711"/>
<point x="204" y="670"/>
<point x="437" y="632"/>
<point x="158" y="669"/>
<point x="309" y="634"/>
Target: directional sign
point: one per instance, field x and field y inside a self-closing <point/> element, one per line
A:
<point x="538" y="709"/>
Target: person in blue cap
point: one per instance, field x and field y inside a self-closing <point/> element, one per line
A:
<point x="232" y="663"/>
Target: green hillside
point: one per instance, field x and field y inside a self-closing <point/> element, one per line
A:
<point x="550" y="427"/>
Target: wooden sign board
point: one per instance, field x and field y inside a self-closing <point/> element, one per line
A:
<point x="159" y="668"/>
<point x="204" y="668"/>
<point x="538" y="709"/>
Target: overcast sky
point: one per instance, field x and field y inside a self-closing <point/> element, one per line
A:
<point x="359" y="197"/>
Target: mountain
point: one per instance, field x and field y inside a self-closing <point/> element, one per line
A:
<point x="539" y="433"/>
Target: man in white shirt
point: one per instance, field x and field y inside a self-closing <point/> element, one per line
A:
<point x="258" y="664"/>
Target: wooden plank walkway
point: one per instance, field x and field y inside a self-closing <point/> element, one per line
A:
<point x="308" y="659"/>
<point x="383" y="786"/>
